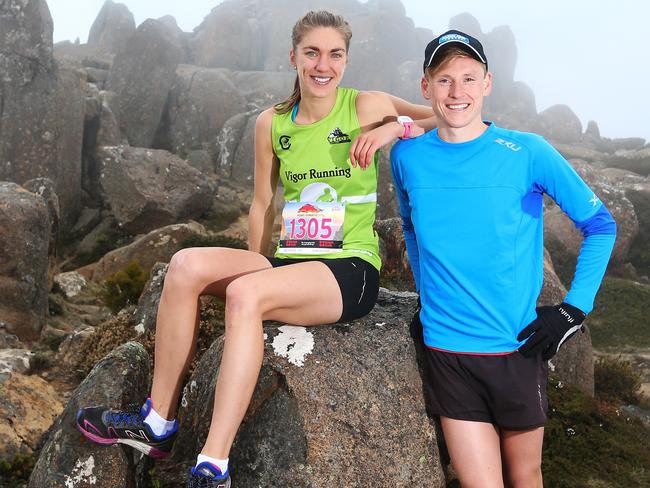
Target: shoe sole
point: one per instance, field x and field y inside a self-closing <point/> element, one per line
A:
<point x="146" y="449"/>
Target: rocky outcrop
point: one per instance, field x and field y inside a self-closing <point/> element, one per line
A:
<point x="67" y="458"/>
<point x="558" y="225"/>
<point x="201" y="102"/>
<point x="637" y="160"/>
<point x="147" y="189"/>
<point x="262" y="89"/>
<point x="24" y="239"/>
<point x="145" y="315"/>
<point x="45" y="188"/>
<point x="559" y="124"/>
<point x="142" y="75"/>
<point x="395" y="266"/>
<point x="28" y="408"/>
<point x="332" y="402"/>
<point x="158" y="245"/>
<point x="112" y="28"/>
<point x="41" y="108"/>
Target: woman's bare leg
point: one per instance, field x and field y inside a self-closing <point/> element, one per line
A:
<point x="474" y="448"/>
<point x="190" y="272"/>
<point x="521" y="452"/>
<point x="300" y="294"/>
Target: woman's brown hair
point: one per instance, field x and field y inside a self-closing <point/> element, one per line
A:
<point x="308" y="22"/>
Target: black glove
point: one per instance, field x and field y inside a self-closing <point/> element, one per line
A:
<point x="552" y="327"/>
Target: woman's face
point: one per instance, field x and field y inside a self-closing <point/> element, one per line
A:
<point x="320" y="60"/>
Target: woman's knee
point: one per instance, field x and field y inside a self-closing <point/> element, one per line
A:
<point x="187" y="269"/>
<point x="523" y="475"/>
<point x="243" y="296"/>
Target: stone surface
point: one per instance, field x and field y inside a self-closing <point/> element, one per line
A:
<point x="41" y="106"/>
<point x="243" y="164"/>
<point x="201" y="102"/>
<point x="147" y="189"/>
<point x="70" y="283"/>
<point x="112" y="28"/>
<point x="559" y="124"/>
<point x="24" y="238"/>
<point x="333" y="402"/>
<point x="558" y="225"/>
<point x="67" y="458"/>
<point x="28" y="408"/>
<point x="142" y="75"/>
<point x="574" y="363"/>
<point x="145" y="314"/>
<point x="395" y="266"/>
<point x="262" y="89"/>
<point x="45" y="188"/>
<point x="14" y="361"/>
<point x="157" y="245"/>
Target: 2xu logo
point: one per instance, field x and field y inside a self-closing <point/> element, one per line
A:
<point x="510" y="145"/>
<point x="284" y="142"/>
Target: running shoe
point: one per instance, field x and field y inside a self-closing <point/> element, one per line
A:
<point x="105" y="426"/>
<point x="207" y="475"/>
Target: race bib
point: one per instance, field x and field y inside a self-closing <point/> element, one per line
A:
<point x="312" y="227"/>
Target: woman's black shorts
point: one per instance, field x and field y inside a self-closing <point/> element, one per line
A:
<point x="357" y="279"/>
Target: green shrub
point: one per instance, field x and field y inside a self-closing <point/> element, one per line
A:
<point x="586" y="446"/>
<point x="124" y="287"/>
<point x="219" y="218"/>
<point x="616" y="381"/>
<point x="620" y="316"/>
<point x="18" y="469"/>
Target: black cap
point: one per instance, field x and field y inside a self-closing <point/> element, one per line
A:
<point x="453" y="38"/>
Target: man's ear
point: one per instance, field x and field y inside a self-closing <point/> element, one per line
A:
<point x="487" y="87"/>
<point x="424" y="85"/>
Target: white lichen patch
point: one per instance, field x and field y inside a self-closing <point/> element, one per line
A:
<point x="293" y="343"/>
<point x="140" y="327"/>
<point x="82" y="473"/>
<point x="14" y="360"/>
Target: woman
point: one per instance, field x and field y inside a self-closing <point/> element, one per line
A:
<point x="327" y="238"/>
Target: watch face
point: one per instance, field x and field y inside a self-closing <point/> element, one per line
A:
<point x="404" y="119"/>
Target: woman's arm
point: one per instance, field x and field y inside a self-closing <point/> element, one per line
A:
<point x="262" y="211"/>
<point x="377" y="112"/>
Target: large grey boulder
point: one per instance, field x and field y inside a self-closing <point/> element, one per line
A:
<point x="559" y="124"/>
<point x="67" y="458"/>
<point x="637" y="160"/>
<point x="263" y="89"/>
<point x="574" y="363"/>
<point x="201" y="102"/>
<point x="24" y="239"/>
<point x="243" y="165"/>
<point x="46" y="189"/>
<point x="226" y="144"/>
<point x="142" y="75"/>
<point x="338" y="402"/>
<point x="112" y="28"/>
<point x="558" y="225"/>
<point x="157" y="245"/>
<point x="147" y="189"/>
<point x="41" y="105"/>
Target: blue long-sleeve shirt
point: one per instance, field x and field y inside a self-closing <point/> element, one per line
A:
<point x="472" y="221"/>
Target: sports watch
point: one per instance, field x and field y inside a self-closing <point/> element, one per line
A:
<point x="406" y="122"/>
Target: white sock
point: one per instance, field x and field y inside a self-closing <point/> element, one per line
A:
<point x="222" y="464"/>
<point x="159" y="425"/>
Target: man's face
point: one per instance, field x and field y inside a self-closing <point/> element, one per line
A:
<point x="456" y="91"/>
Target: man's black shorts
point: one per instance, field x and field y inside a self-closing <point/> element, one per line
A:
<point x="506" y="390"/>
<point x="358" y="281"/>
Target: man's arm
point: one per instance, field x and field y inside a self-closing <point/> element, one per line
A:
<point x="554" y="325"/>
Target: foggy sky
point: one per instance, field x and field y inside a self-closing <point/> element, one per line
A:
<point x="588" y="54"/>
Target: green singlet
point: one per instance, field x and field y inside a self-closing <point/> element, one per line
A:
<point x="329" y="205"/>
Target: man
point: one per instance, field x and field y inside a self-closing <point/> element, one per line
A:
<point x="471" y="201"/>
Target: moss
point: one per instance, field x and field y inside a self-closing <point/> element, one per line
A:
<point x="639" y="254"/>
<point x="620" y="315"/>
<point x="213" y="241"/>
<point x="16" y="470"/>
<point x="586" y="445"/>
<point x="125" y="286"/>
<point x="106" y="242"/>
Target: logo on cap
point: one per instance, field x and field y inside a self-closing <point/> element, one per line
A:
<point x="453" y="37"/>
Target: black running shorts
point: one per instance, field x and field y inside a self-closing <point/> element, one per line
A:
<point x="357" y="279"/>
<point x="506" y="390"/>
